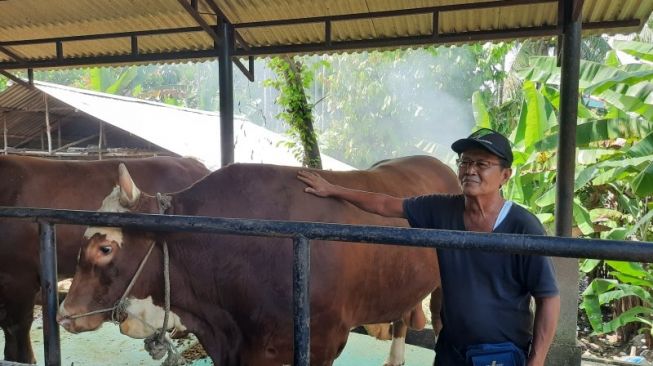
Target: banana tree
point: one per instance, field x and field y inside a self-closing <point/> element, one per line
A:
<point x="614" y="176"/>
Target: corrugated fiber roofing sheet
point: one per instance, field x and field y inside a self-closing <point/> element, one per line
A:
<point x="29" y="29"/>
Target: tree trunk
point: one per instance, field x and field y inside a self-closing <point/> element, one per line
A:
<point x="302" y="112"/>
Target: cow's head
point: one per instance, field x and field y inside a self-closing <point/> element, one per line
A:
<point x="108" y="260"/>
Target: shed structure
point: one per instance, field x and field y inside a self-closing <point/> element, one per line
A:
<point x="91" y="125"/>
<point x="64" y="33"/>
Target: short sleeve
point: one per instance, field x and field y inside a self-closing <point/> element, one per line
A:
<point x="536" y="272"/>
<point x="540" y="276"/>
<point x="417" y="211"/>
<point x="429" y="211"/>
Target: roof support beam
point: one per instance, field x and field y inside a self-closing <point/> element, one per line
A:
<point x="327" y="32"/>
<point x="198" y="18"/>
<point x="543" y="31"/>
<point x="191" y="8"/>
<point x="443" y="38"/>
<point x="247" y="71"/>
<point x="134" y="45"/>
<point x="220" y="14"/>
<point x="11" y="54"/>
<point x="14" y="78"/>
<point x="392" y="13"/>
<point x="95" y="37"/>
<point x="578" y="9"/>
<point x="435" y="32"/>
<point x="102" y="60"/>
<point x="59" y="48"/>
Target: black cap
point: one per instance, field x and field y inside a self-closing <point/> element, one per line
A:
<point x="487" y="139"/>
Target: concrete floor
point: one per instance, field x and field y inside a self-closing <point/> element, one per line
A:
<point x="107" y="346"/>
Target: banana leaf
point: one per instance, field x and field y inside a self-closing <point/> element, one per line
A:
<point x="640" y="50"/>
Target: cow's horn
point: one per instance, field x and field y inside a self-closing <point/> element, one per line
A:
<point x="129" y="193"/>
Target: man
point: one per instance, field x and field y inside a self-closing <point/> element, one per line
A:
<point x="486" y="296"/>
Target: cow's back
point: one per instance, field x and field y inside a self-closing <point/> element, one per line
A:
<point x="80" y="185"/>
<point x="37" y="182"/>
<point x="349" y="280"/>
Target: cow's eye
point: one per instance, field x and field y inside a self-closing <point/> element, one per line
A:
<point x="106" y="249"/>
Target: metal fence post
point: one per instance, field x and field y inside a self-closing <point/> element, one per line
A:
<point x="49" y="290"/>
<point x="226" y="85"/>
<point x="301" y="301"/>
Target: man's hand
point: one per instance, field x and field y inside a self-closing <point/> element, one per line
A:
<point x="376" y="203"/>
<point x="316" y="184"/>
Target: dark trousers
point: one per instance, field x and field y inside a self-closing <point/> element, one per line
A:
<point x="447" y="355"/>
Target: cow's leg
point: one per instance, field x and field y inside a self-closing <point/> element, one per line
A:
<point x="328" y="344"/>
<point x="435" y="305"/>
<point x="221" y="337"/>
<point x="17" y="291"/>
<point x="16" y="327"/>
<point x="396" y="356"/>
<point x="417" y="320"/>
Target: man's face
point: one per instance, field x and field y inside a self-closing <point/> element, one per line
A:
<point x="481" y="173"/>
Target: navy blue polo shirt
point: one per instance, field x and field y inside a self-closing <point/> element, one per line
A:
<point x="486" y="296"/>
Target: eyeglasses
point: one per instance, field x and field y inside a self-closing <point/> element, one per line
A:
<point x="480" y="165"/>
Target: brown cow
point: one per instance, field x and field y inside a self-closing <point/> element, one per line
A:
<point x="35" y="182"/>
<point x="234" y="292"/>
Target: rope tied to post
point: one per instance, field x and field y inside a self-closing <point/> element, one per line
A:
<point x="159" y="343"/>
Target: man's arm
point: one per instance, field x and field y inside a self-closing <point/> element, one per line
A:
<point x="547" y="311"/>
<point x="377" y="203"/>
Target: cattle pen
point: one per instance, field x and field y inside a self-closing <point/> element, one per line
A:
<point x="36" y="34"/>
<point x="301" y="233"/>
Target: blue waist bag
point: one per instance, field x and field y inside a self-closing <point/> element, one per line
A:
<point x="497" y="354"/>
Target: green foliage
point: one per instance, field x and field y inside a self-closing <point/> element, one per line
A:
<point x="614" y="173"/>
<point x="640" y="50"/>
<point x="293" y="78"/>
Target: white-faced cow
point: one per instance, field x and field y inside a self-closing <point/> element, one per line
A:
<point x="35" y="182"/>
<point x="235" y="292"/>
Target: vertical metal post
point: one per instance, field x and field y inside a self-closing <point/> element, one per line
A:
<point x="301" y="301"/>
<point x="49" y="291"/>
<point x="564" y="351"/>
<point x="47" y="123"/>
<point x="568" y="116"/>
<point x="226" y="83"/>
<point x="4" y="132"/>
<point x="99" y="143"/>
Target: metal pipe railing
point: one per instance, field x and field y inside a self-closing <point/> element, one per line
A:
<point x="52" y="348"/>
<point x="302" y="233"/>
<point x="443" y="239"/>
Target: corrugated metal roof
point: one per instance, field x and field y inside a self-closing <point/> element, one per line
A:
<point x="186" y="132"/>
<point x="25" y="20"/>
<point x="23" y="110"/>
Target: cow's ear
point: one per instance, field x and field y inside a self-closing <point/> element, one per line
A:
<point x="129" y="193"/>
